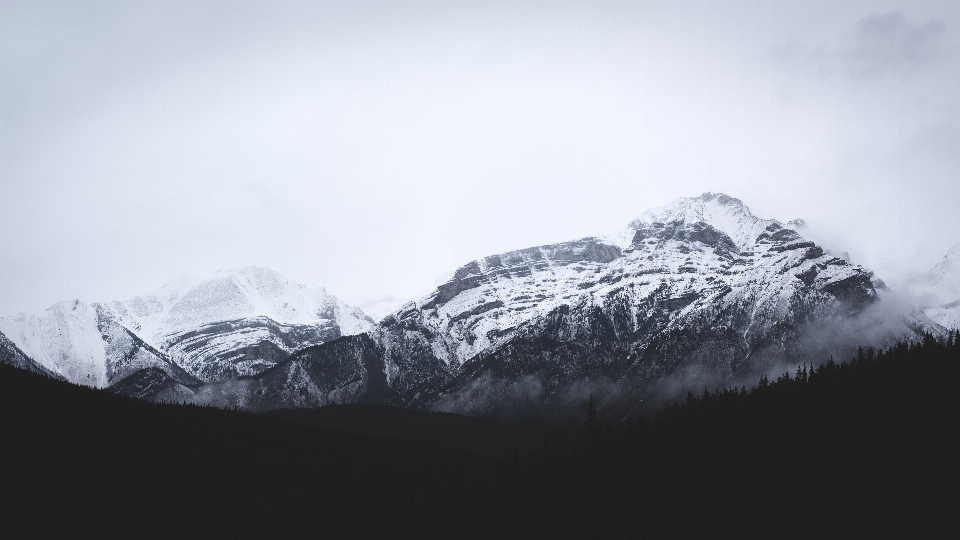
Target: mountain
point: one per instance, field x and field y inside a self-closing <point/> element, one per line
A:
<point x="698" y="292"/>
<point x="191" y="331"/>
<point x="10" y="354"/>
<point x="238" y="322"/>
<point x="942" y="290"/>
<point x="85" y="344"/>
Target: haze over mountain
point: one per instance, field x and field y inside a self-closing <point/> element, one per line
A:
<point x="938" y="292"/>
<point x="697" y="292"/>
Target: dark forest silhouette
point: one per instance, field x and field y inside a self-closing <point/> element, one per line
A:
<point x="865" y="448"/>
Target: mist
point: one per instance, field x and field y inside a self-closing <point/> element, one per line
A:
<point x="370" y="147"/>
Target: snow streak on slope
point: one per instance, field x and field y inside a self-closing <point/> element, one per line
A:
<point x="12" y="355"/>
<point x="944" y="288"/>
<point x="85" y="344"/>
<point x="63" y="339"/>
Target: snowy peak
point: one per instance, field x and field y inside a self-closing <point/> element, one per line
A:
<point x="946" y="273"/>
<point x="233" y="323"/>
<point x="942" y="290"/>
<point x="720" y="212"/>
<point x="248" y="292"/>
<point x="10" y="354"/>
<point x="237" y="322"/>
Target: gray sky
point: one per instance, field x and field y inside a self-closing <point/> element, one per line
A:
<point x="371" y="147"/>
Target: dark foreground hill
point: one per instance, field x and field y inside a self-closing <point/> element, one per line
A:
<point x="76" y="460"/>
<point x="483" y="437"/>
<point x="864" y="449"/>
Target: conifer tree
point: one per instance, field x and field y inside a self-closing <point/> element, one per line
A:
<point x="591" y="420"/>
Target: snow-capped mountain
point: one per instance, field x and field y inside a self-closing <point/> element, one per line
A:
<point x="235" y="323"/>
<point x="696" y="292"/>
<point x="12" y="355"/>
<point x="238" y="322"/>
<point x="941" y="290"/>
<point x="84" y="344"/>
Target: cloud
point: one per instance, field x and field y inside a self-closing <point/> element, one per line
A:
<point x="889" y="43"/>
<point x="878" y="45"/>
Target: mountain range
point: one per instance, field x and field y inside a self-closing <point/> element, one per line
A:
<point x="698" y="292"/>
<point x="195" y="331"/>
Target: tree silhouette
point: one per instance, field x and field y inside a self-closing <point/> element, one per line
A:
<point x="591" y="421"/>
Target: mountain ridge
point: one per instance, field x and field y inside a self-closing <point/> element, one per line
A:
<point x="679" y="298"/>
<point x="234" y="323"/>
<point x="697" y="292"/>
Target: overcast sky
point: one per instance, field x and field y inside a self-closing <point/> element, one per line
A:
<point x="372" y="147"/>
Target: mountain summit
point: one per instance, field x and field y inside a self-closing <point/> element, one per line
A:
<point x="721" y="212"/>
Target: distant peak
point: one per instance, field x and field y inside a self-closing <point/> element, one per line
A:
<point x="797" y="224"/>
<point x="722" y="212"/>
<point x="720" y="198"/>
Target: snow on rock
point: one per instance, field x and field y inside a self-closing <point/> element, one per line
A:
<point x="10" y="354"/>
<point x="64" y="339"/>
<point x="943" y="288"/>
<point x="187" y="303"/>
<point x="698" y="284"/>
<point x="235" y="323"/>
<point x="689" y="247"/>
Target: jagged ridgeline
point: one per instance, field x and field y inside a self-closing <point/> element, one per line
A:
<point x="698" y="292"/>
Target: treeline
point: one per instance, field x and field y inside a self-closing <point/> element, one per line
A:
<point x="78" y="462"/>
<point x="860" y="449"/>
